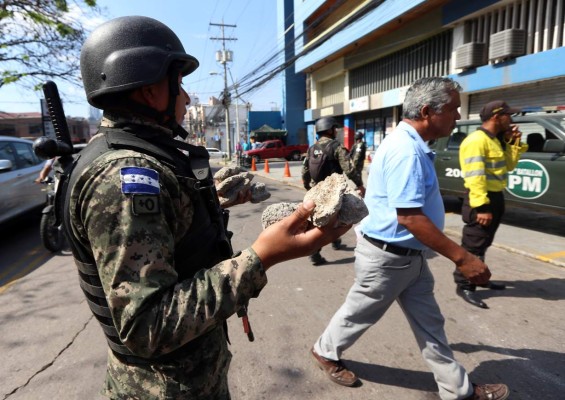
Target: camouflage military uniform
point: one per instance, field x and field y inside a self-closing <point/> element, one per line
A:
<point x="155" y="312"/>
<point x="342" y="156"/>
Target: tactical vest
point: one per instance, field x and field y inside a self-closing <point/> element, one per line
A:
<point x="322" y="162"/>
<point x="205" y="244"/>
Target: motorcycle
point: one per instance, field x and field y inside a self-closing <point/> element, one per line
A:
<point x="51" y="233"/>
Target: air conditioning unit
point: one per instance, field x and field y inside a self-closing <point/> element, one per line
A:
<point x="506" y="44"/>
<point x="470" y="55"/>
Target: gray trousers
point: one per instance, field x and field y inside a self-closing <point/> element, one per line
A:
<point x="380" y="279"/>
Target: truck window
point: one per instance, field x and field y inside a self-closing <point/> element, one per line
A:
<point x="455" y="140"/>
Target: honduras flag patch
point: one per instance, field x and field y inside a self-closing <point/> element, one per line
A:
<point x="139" y="180"/>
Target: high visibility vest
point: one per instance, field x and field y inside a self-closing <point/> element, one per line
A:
<point x="485" y="165"/>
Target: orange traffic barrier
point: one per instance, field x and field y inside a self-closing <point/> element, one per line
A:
<point x="253" y="165"/>
<point x="286" y="170"/>
<point x="267" y="170"/>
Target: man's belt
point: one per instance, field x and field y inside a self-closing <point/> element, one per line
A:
<point x="390" y="248"/>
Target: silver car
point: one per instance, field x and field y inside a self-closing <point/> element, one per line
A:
<point x="19" y="167"/>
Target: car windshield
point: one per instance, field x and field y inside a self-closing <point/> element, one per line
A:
<point x="562" y="123"/>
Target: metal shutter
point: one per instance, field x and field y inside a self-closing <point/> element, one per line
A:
<point x="544" y="93"/>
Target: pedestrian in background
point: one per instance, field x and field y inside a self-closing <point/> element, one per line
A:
<point x="145" y="227"/>
<point x="325" y="157"/>
<point x="486" y="156"/>
<point x="406" y="217"/>
<point x="358" y="153"/>
<point x="46" y="170"/>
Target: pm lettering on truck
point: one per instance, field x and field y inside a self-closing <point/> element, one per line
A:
<point x="529" y="180"/>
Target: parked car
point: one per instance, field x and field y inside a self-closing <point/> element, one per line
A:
<point x="277" y="149"/>
<point x="19" y="167"/>
<point x="216" y="153"/>
<point x="537" y="182"/>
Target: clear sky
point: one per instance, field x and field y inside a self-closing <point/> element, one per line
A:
<point x="257" y="42"/>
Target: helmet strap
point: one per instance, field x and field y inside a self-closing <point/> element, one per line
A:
<point x="174" y="92"/>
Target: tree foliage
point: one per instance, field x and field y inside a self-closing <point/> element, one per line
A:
<point x="41" y="39"/>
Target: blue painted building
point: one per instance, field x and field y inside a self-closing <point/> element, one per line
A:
<point x="358" y="57"/>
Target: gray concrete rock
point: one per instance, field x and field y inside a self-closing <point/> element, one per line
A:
<point x="276" y="212"/>
<point x="353" y="208"/>
<point x="233" y="180"/>
<point x="226" y="172"/>
<point x="259" y="192"/>
<point x="238" y="182"/>
<point x="336" y="195"/>
<point x="328" y="196"/>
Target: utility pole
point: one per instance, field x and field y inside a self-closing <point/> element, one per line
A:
<point x="236" y="107"/>
<point x="223" y="57"/>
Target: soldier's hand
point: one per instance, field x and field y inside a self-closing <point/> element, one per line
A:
<point x="293" y="237"/>
<point x="243" y="196"/>
<point x="474" y="269"/>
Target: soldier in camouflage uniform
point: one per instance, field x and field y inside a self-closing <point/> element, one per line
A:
<point x="339" y="162"/>
<point x="145" y="228"/>
<point x="358" y="152"/>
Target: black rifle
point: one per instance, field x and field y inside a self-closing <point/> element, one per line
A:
<point x="62" y="146"/>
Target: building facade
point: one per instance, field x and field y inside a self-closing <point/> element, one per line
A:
<point x="358" y="57"/>
<point x="31" y="126"/>
<point x="206" y="123"/>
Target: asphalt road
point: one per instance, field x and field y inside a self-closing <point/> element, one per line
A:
<point x="53" y="349"/>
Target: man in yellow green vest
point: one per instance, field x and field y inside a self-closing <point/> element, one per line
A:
<point x="486" y="156"/>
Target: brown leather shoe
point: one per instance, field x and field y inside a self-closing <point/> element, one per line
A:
<point x="335" y="370"/>
<point x="496" y="391"/>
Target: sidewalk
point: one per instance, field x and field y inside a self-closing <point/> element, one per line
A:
<point x="526" y="242"/>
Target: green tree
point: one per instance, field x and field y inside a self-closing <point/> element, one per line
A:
<point x="41" y="39"/>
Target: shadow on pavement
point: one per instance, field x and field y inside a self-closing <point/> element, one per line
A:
<point x="542" y="370"/>
<point x="416" y="380"/>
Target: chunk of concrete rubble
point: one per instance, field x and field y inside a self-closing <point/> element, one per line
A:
<point x="239" y="182"/>
<point x="233" y="180"/>
<point x="226" y="172"/>
<point x="276" y="212"/>
<point x="259" y="192"/>
<point x="353" y="208"/>
<point x="335" y="195"/>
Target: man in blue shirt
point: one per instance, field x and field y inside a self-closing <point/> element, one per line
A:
<point x="406" y="216"/>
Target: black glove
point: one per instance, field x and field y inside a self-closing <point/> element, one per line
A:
<point x="307" y="187"/>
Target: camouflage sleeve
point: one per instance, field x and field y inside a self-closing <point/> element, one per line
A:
<point x="342" y="155"/>
<point x="306" y="178"/>
<point x="153" y="311"/>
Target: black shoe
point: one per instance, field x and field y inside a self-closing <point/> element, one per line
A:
<point x="336" y="245"/>
<point x="493" y="286"/>
<point x="317" y="259"/>
<point x="470" y="297"/>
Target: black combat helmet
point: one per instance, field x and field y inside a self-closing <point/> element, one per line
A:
<point x="325" y="124"/>
<point x="359" y="135"/>
<point x="129" y="52"/>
